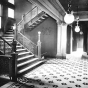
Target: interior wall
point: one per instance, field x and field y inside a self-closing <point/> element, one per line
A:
<point x="22" y="7"/>
<point x="48" y="30"/>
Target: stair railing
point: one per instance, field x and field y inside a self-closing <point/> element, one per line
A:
<point x="27" y="18"/>
<point x="8" y="61"/>
<point x="3" y="46"/>
<point x="27" y="43"/>
<point x="31" y="14"/>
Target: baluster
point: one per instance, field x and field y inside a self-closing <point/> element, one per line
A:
<point x="4" y="47"/>
<point x="39" y="45"/>
<point x="37" y="10"/>
<point x="23" y="19"/>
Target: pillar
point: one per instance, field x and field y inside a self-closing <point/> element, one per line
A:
<point x="61" y="40"/>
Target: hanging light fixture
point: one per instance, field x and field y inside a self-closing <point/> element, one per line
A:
<point x="69" y="17"/>
<point x="77" y="28"/>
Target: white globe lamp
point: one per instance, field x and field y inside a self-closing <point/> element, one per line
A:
<point x="77" y="29"/>
<point x="69" y="18"/>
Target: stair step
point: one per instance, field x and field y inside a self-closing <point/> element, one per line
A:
<point x="8" y="37"/>
<point x="39" y="20"/>
<point x="30" y="67"/>
<point x="19" y="45"/>
<point x="21" y="50"/>
<point x="42" y="18"/>
<point x="36" y="22"/>
<point x="8" y="40"/>
<point x="45" y="15"/>
<point x="22" y="58"/>
<point x="23" y="53"/>
<point x="33" y="25"/>
<point x="26" y="62"/>
<point x="9" y="32"/>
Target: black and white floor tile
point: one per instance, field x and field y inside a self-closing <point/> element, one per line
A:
<point x="59" y="73"/>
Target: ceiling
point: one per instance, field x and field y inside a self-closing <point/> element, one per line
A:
<point x="79" y="7"/>
<point x="76" y="5"/>
<point x="58" y="8"/>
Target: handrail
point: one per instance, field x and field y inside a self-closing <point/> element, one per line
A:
<point x="5" y="41"/>
<point x="26" y="14"/>
<point x="30" y="10"/>
<point x="19" y="22"/>
<point x="27" y="38"/>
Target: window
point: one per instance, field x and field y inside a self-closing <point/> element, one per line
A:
<point x="10" y="13"/>
<point x="0" y="22"/>
<point x="11" y="1"/>
<point x="0" y="10"/>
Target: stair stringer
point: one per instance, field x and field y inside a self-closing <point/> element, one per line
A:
<point x="39" y="19"/>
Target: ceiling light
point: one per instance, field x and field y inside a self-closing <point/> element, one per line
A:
<point x="69" y="18"/>
<point x="77" y="28"/>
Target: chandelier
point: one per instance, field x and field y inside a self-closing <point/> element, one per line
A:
<point x="69" y="17"/>
<point x="77" y="28"/>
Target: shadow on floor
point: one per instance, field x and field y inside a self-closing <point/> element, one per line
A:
<point x="3" y="81"/>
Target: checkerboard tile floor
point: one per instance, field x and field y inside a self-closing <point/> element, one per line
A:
<point x="59" y="73"/>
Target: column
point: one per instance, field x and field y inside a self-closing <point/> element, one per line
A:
<point x="61" y="40"/>
<point x="64" y="40"/>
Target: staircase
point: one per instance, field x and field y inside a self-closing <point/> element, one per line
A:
<point x="36" y="21"/>
<point x="26" y="60"/>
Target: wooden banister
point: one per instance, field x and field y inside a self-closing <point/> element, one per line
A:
<point x="5" y="41"/>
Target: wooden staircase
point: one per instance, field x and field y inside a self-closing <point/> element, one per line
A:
<point x="26" y="60"/>
<point x="36" y="21"/>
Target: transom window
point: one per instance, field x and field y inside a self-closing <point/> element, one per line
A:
<point x="11" y="1"/>
<point x="10" y="13"/>
<point x="0" y="22"/>
<point x="0" y="10"/>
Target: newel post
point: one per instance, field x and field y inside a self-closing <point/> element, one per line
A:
<point x="14" y="67"/>
<point x="39" y="45"/>
<point x="13" y="71"/>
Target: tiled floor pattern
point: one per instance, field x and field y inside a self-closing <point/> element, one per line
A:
<point x="58" y="73"/>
